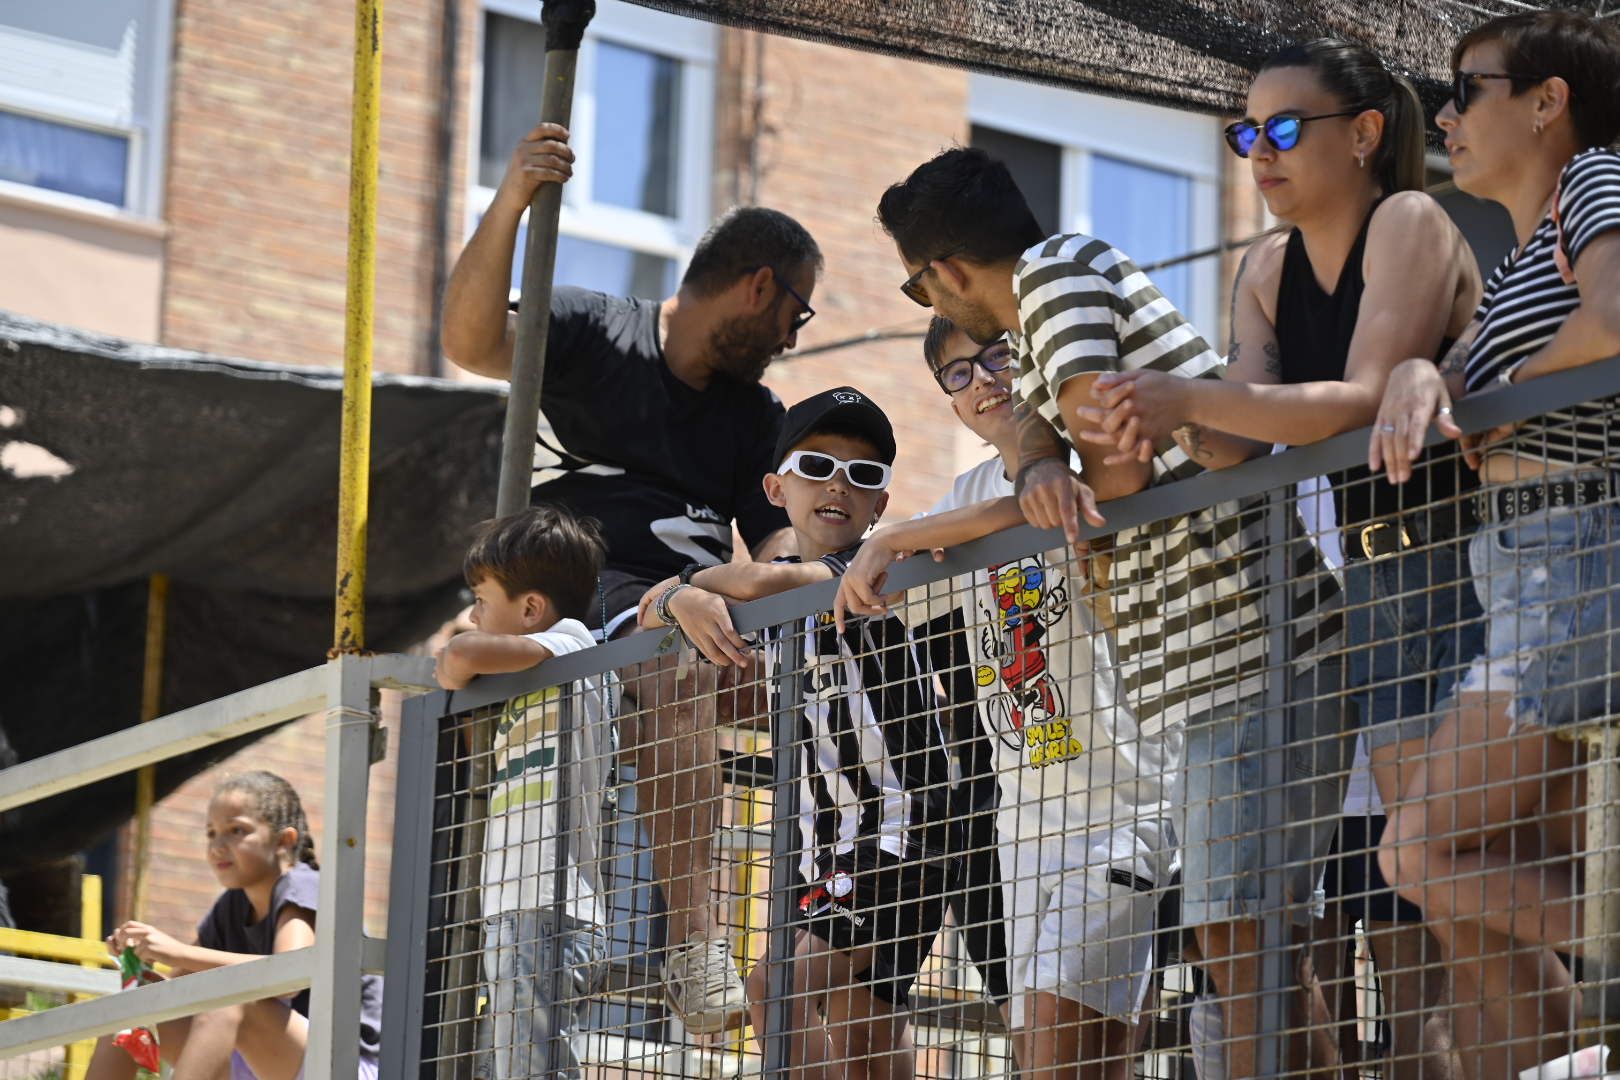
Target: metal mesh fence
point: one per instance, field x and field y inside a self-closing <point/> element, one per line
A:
<point x="1236" y="792"/>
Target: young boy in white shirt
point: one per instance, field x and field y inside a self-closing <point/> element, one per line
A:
<point x="1084" y="838"/>
<point x="534" y="575"/>
<point x="876" y="778"/>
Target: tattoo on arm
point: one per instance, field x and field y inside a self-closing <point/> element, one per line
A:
<point x="1037" y="439"/>
<point x="1231" y="310"/>
<point x="1273" y="358"/>
<point x="1456" y="357"/>
<point x="1191" y="438"/>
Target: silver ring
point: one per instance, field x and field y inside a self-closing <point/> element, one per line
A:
<point x="1387" y="429"/>
<point x="1445" y="410"/>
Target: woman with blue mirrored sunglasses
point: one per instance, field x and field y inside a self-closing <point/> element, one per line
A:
<point x="1368" y="272"/>
<point x="1282" y="130"/>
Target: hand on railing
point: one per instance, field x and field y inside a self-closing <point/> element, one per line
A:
<point x="703" y="617"/>
<point x="1415" y="396"/>
<point x="1051" y="496"/>
<point x="860" y="590"/>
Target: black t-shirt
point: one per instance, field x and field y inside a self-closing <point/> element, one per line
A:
<point x="665" y="468"/>
<point x="229" y="927"/>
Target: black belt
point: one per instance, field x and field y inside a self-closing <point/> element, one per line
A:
<point x="1392" y="535"/>
<point x="1507" y="503"/>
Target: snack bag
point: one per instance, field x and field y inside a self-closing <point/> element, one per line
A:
<point x="140" y="1043"/>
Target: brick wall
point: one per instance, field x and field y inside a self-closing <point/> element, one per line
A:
<point x="258" y="180"/>
<point x="839" y="127"/>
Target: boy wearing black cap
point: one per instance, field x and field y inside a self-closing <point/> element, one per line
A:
<point x="873" y="797"/>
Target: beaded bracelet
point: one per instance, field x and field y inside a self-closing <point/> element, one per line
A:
<point x="661" y="605"/>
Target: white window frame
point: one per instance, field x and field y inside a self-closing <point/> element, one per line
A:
<point x="689" y="41"/>
<point x="147" y="133"/>
<point x="1081" y="125"/>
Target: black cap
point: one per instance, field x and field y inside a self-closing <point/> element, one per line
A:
<point x="845" y="409"/>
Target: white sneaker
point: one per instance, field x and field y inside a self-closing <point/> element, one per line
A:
<point x="702" y="985"/>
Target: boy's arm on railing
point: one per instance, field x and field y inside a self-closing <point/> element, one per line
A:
<point x="476" y="653"/>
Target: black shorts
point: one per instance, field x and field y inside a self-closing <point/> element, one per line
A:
<point x="1354" y="879"/>
<point x="975" y="899"/>
<point x="872" y="898"/>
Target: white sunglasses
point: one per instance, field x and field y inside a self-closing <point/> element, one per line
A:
<point x="872" y="475"/>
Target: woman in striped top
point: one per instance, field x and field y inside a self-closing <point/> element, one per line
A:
<point x="1536" y="106"/>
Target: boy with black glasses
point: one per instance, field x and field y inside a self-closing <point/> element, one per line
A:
<point x="874" y="792"/>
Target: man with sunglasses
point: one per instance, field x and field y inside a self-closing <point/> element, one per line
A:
<point x="1188" y="594"/>
<point x="654" y="422"/>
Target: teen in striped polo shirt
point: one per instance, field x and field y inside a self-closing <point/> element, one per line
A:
<point x="1189" y="593"/>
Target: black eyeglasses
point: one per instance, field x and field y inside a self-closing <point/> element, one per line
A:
<point x="912" y="286"/>
<point x="804" y="316"/>
<point x="1462" y="84"/>
<point x="957" y="375"/>
<point x="1282" y="130"/>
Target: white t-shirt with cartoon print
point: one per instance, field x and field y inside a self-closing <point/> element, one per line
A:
<point x="1068" y="752"/>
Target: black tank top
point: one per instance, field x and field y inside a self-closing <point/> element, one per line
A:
<point x="1313" y="334"/>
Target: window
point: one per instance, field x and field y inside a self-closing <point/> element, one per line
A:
<point x="643" y="104"/>
<point x="82" y="101"/>
<point x="1144" y="178"/>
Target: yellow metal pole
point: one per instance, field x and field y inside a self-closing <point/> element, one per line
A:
<point x="157" y="620"/>
<point x="349" y="631"/>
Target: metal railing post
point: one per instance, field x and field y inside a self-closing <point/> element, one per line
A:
<point x="354" y="469"/>
<point x="785" y="850"/>
<point x="334" y="1000"/>
<point x="1276" y="981"/>
<point x="409" y="884"/>
<point x="1600" y="953"/>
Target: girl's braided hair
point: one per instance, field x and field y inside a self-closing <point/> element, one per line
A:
<point x="278" y="806"/>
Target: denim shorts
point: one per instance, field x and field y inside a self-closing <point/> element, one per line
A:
<point x="1259" y="816"/>
<point x="526" y="1019"/>
<point x="1413" y="622"/>
<point x="240" y="1070"/>
<point x="1548" y="582"/>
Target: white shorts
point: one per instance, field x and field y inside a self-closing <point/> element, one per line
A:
<point x="1082" y="914"/>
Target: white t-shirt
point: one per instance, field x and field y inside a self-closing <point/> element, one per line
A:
<point x="520" y="842"/>
<point x="1069" y="752"/>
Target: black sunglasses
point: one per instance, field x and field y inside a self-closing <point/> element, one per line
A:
<point x="1462" y="84"/>
<point x="1282" y="130"/>
<point x="804" y="316"/>
<point x="912" y="286"/>
<point x="957" y="375"/>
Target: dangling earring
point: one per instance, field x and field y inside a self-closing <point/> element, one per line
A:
<point x="1361" y="161"/>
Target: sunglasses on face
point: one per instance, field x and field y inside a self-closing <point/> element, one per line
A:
<point x="1282" y="130"/>
<point x="871" y="475"/>
<point x="912" y="286"/>
<point x="1462" y="85"/>
<point x="957" y="375"/>
<point x="804" y="316"/>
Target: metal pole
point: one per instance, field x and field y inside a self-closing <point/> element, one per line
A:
<point x="1601" y="915"/>
<point x="785" y="845"/>
<point x="157" y="617"/>
<point x="565" y="22"/>
<point x="354" y="473"/>
<point x="1276" y="946"/>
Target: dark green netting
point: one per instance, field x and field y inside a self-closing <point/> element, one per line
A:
<point x="1193" y="54"/>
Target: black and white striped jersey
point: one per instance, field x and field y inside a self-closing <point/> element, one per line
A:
<point x="876" y="770"/>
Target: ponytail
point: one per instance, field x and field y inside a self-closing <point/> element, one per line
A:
<point x="1400" y="154"/>
<point x="1355" y="75"/>
<point x="277" y="805"/>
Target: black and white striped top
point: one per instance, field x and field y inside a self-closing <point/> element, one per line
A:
<point x="876" y="769"/>
<point x="1526" y="301"/>
<point x="1189" y="593"/>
